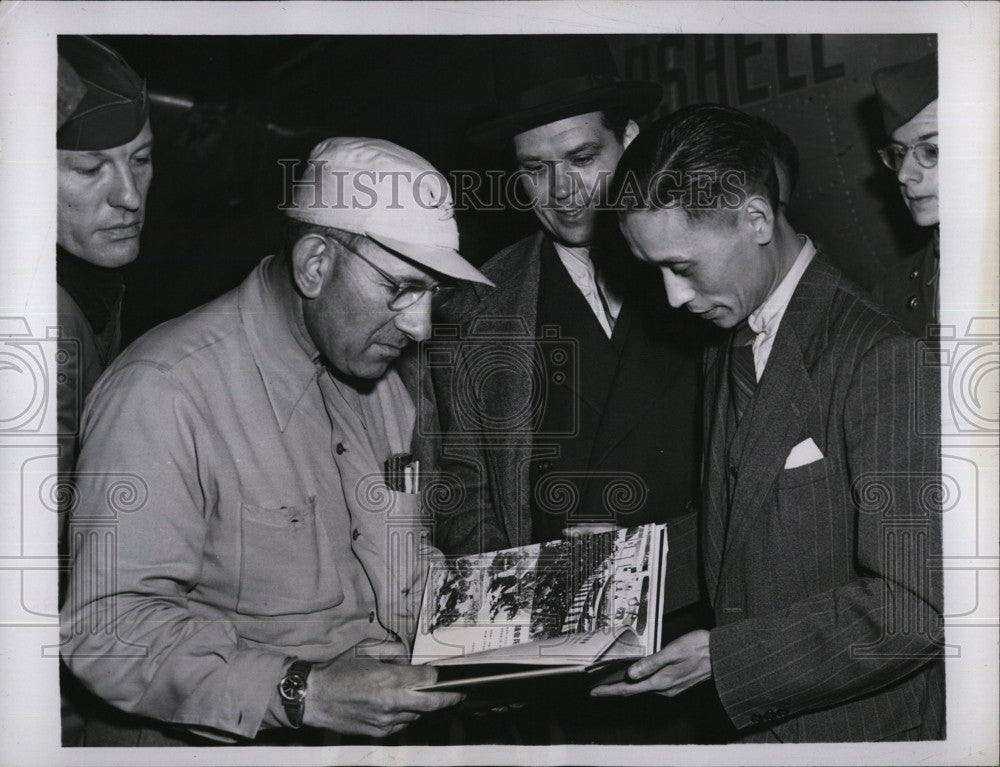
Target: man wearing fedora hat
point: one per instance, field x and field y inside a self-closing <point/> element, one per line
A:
<point x="246" y="559"/>
<point x="907" y="95"/>
<point x="611" y="439"/>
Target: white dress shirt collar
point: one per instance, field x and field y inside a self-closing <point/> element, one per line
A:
<point x="603" y="303"/>
<point x="766" y="318"/>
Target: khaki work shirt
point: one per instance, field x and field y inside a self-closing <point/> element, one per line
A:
<point x="228" y="518"/>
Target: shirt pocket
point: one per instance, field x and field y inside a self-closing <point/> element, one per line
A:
<point x="284" y="566"/>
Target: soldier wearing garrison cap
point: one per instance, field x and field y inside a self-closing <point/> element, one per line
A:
<point x="907" y="94"/>
<point x="103" y="142"/>
<point x="269" y="568"/>
<point x="104" y="145"/>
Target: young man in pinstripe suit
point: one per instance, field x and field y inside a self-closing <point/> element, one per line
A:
<point x="819" y="526"/>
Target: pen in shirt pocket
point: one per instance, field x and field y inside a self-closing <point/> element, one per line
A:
<point x="402" y="473"/>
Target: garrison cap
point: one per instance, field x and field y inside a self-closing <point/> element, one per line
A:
<point x="905" y="89"/>
<point x="114" y="106"/>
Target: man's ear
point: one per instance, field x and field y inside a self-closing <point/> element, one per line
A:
<point x="760" y="218"/>
<point x="312" y="262"/>
<point x="631" y="131"/>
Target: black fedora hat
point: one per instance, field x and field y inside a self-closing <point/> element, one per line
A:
<point x="543" y="78"/>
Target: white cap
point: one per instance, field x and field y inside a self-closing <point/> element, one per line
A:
<point x="380" y="190"/>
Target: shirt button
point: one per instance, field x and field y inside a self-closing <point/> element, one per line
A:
<point x="341" y="449"/>
<point x="355" y="534"/>
<point x="914" y="273"/>
<point x="371" y="617"/>
<point x="732" y="472"/>
<point x="911" y="302"/>
<point x="406" y="592"/>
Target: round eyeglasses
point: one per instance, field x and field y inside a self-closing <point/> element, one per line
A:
<point x="924" y="152"/>
<point x="404" y="293"/>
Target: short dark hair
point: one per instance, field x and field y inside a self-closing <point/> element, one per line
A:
<point x="784" y="150"/>
<point x="616" y="120"/>
<point x="706" y="159"/>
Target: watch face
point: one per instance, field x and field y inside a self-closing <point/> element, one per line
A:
<point x="293" y="687"/>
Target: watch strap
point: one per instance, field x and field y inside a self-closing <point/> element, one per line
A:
<point x="294" y="680"/>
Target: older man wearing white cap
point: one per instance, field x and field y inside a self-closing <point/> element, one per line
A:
<point x="246" y="560"/>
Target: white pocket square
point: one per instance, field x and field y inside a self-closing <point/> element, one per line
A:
<point x="803" y="453"/>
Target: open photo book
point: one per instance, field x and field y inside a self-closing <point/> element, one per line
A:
<point x="577" y="605"/>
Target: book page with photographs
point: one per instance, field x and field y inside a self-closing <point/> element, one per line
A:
<point x="590" y="587"/>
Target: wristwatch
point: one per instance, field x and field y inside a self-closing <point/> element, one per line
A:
<point x="292" y="689"/>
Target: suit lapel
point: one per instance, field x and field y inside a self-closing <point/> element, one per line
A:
<point x="714" y="471"/>
<point x="511" y="312"/>
<point x="785" y="407"/>
<point x="648" y="367"/>
<point x="646" y="337"/>
<point x="575" y="317"/>
<point x="784" y="396"/>
<point x="426" y="442"/>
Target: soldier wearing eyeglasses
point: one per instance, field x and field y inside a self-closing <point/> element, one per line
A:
<point x="245" y="568"/>
<point x="907" y="94"/>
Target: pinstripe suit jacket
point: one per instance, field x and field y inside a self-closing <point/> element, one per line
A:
<point x="820" y="577"/>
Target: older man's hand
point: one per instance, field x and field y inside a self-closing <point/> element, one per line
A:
<point x="681" y="664"/>
<point x="356" y="694"/>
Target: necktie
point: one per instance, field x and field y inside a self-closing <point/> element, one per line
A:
<point x="605" y="304"/>
<point x="742" y="374"/>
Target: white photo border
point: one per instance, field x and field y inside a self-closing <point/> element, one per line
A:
<point x="969" y="120"/>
